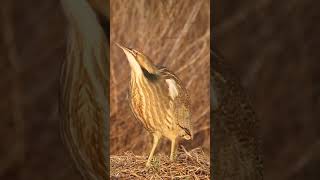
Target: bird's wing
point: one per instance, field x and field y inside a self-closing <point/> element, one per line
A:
<point x="180" y="100"/>
<point x="182" y="114"/>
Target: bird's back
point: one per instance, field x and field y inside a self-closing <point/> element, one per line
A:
<point x="161" y="103"/>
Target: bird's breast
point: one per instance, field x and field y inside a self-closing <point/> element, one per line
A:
<point x="151" y="104"/>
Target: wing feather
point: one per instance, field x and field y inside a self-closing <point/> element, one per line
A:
<point x="180" y="99"/>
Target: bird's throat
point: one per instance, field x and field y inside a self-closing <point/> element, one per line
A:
<point x="134" y="65"/>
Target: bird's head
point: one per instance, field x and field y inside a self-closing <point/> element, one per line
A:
<point x="138" y="61"/>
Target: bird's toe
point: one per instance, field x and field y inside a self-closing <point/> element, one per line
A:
<point x="148" y="164"/>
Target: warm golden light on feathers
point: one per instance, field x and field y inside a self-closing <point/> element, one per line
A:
<point x="135" y="57"/>
<point x="158" y="100"/>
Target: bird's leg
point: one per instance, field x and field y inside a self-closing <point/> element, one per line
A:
<point x="156" y="138"/>
<point x="173" y="149"/>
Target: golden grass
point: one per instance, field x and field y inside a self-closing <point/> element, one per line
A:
<point x="175" y="34"/>
<point x="194" y="164"/>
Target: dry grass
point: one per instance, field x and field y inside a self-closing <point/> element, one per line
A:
<point x="174" y="34"/>
<point x="272" y="48"/>
<point x="192" y="164"/>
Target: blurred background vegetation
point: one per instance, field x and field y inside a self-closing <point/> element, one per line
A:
<point x="271" y="45"/>
<point x="174" y="34"/>
<point x="32" y="47"/>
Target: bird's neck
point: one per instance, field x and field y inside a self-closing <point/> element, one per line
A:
<point x="136" y="74"/>
<point x="148" y="66"/>
<point x="135" y="67"/>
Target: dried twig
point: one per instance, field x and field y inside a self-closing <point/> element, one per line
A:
<point x="192" y="164"/>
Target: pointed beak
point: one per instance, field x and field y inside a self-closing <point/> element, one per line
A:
<point x="122" y="47"/>
<point x="126" y="50"/>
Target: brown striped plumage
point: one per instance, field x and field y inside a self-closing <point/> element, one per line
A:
<point x="158" y="100"/>
<point x="84" y="90"/>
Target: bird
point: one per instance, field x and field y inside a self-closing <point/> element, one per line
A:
<point x="158" y="100"/>
<point x="237" y="146"/>
<point x="84" y="90"/>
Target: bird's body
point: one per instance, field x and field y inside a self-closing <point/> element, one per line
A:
<point x="158" y="100"/>
<point x="84" y="90"/>
<point x="160" y="103"/>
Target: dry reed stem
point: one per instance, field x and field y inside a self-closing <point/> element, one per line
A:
<point x="174" y="34"/>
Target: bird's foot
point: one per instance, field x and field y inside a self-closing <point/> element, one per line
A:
<point x="172" y="158"/>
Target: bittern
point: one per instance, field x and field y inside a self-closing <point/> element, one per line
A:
<point x="158" y="100"/>
<point x="84" y="88"/>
